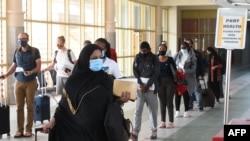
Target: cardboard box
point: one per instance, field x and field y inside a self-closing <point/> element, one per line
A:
<point x="122" y="85"/>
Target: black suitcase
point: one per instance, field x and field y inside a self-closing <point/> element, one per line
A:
<point x="4" y="116"/>
<point x="208" y="97"/>
<point x="4" y="120"/>
<point x="42" y="105"/>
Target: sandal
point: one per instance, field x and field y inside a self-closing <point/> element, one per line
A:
<point x="162" y="125"/>
<point x="134" y="137"/>
<point x="27" y="134"/>
<point x="18" y="135"/>
<point x="170" y="125"/>
<point x="153" y="135"/>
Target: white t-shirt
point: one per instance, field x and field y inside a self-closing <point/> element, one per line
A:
<point x="63" y="62"/>
<point x="113" y="68"/>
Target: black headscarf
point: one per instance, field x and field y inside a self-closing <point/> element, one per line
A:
<point x="83" y="79"/>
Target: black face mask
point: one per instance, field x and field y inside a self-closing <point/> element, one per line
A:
<point x="162" y="53"/>
<point x="22" y="43"/>
<point x="145" y="55"/>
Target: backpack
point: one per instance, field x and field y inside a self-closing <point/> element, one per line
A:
<point x="68" y="53"/>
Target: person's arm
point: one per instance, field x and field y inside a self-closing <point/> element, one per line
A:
<point x="156" y="72"/>
<point x="116" y="71"/>
<point x="52" y="64"/>
<point x="124" y="97"/>
<point x="49" y="125"/>
<point x="10" y="71"/>
<point x="136" y="70"/>
<point x="49" y="67"/>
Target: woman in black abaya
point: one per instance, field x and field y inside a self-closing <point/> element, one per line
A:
<point x="81" y="111"/>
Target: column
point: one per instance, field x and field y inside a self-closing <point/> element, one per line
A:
<point x="159" y="28"/>
<point x="110" y="22"/>
<point x="15" y="20"/>
<point x="174" y="29"/>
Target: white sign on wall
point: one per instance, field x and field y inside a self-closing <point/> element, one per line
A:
<point x="231" y="28"/>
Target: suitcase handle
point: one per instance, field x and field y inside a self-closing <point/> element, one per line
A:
<point x="205" y="86"/>
<point x="43" y="86"/>
<point x="36" y="130"/>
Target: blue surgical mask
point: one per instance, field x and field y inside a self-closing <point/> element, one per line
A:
<point x="95" y="65"/>
<point x="184" y="51"/>
<point x="22" y="43"/>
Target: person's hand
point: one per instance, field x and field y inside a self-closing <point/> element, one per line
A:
<point x="144" y="89"/>
<point x="49" y="125"/>
<point x="201" y="78"/>
<point x="69" y="73"/>
<point x="28" y="73"/>
<point x="213" y="67"/>
<point x="180" y="70"/>
<point x="44" y="70"/>
<point x="124" y="97"/>
<point x="2" y="76"/>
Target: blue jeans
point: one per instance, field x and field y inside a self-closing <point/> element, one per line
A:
<point x="198" y="97"/>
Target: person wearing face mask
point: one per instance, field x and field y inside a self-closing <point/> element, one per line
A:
<point x="215" y="65"/>
<point x="26" y="64"/>
<point x="168" y="52"/>
<point x="185" y="61"/>
<point x="200" y="73"/>
<point x="62" y="64"/>
<point x="166" y="87"/>
<point x="81" y="111"/>
<point x="109" y="51"/>
<point x="146" y="68"/>
<point x="109" y="65"/>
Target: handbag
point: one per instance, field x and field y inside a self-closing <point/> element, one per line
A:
<point x="117" y="128"/>
<point x="181" y="83"/>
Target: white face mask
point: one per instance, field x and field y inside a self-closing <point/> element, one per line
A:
<point x="184" y="51"/>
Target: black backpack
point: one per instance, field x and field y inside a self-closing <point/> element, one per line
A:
<point x="68" y="53"/>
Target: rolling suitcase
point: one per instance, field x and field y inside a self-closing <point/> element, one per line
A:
<point x="4" y="115"/>
<point x="208" y="97"/>
<point x="42" y="106"/>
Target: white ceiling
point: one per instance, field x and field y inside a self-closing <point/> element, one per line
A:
<point x="233" y="3"/>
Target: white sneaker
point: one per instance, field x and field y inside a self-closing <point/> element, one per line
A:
<point x="177" y="114"/>
<point x="186" y="114"/>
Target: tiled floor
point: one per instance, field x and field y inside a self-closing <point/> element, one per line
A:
<point x="201" y="126"/>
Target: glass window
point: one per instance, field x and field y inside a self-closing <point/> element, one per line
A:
<point x="39" y="40"/>
<point x="74" y="11"/>
<point x="137" y="17"/>
<point x="39" y="10"/>
<point x="89" y="11"/>
<point x="74" y="39"/>
<point x="57" y="30"/>
<point x="58" y="10"/>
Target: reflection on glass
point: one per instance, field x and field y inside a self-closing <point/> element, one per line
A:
<point x="40" y="40"/>
<point x="89" y="10"/>
<point x="74" y="39"/>
<point x="40" y="14"/>
<point x="74" y="11"/>
<point x="58" y="11"/>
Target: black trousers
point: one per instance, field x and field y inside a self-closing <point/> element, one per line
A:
<point x="166" y="98"/>
<point x="178" y="101"/>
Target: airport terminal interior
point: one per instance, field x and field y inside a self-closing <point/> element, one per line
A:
<point x="125" y="24"/>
